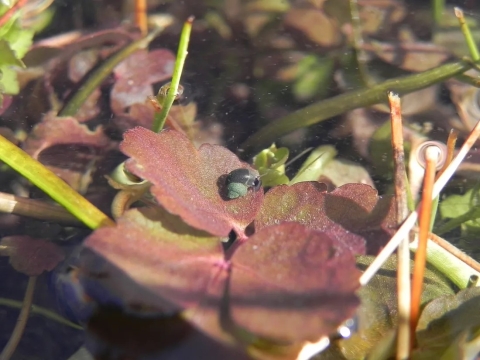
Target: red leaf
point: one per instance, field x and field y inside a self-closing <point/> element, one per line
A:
<point x="352" y="214"/>
<point x="32" y="256"/>
<point x="291" y="283"/>
<point x="136" y="74"/>
<point x="170" y="263"/>
<point x="68" y="148"/>
<point x="190" y="182"/>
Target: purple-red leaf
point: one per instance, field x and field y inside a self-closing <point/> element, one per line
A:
<point x="352" y="214"/>
<point x="68" y="148"/>
<point x="190" y="182"/>
<point x="135" y="76"/>
<point x="31" y="256"/>
<point x="291" y="283"/>
<point x="170" y="263"/>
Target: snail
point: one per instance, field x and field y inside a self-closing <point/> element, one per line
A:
<point x="240" y="180"/>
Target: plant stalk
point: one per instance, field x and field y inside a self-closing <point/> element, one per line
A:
<point x="339" y="104"/>
<point x="159" y="121"/>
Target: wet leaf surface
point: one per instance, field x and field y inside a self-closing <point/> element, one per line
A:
<point x="378" y="311"/>
<point x="352" y="214"/>
<point x="135" y="76"/>
<point x="168" y="264"/>
<point x="445" y="318"/>
<point x="68" y="148"/>
<point x="31" y="256"/>
<point x="190" y="182"/>
<point x="290" y="283"/>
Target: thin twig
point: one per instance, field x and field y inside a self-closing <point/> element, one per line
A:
<point x="17" y="333"/>
<point x="9" y="13"/>
<point x="412" y="218"/>
<point x="431" y="159"/>
<point x="38" y="310"/>
<point x="403" y="266"/>
<point x="455" y="251"/>
<point x="36" y="209"/>
<point x="141" y="16"/>
<point x="452" y="140"/>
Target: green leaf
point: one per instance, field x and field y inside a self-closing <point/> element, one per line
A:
<point x="8" y="76"/>
<point x="7" y="55"/>
<point x="313" y="79"/>
<point x="8" y="81"/>
<point x="270" y="163"/>
<point x="19" y="39"/>
<point x="463" y="210"/>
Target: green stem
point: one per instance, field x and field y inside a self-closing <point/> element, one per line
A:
<point x="96" y="78"/>
<point x="472" y="214"/>
<point x="438" y="9"/>
<point x="50" y="183"/>
<point x="167" y="103"/>
<point x="472" y="46"/>
<point x="340" y="104"/>
<point x="451" y="266"/>
<point x="470" y="80"/>
<point x="38" y="310"/>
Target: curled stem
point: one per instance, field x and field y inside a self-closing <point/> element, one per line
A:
<point x="17" y="333"/>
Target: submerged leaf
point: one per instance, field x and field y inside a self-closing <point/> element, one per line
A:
<point x="153" y="259"/>
<point x="352" y="214"/>
<point x="378" y="312"/>
<point x="446" y="318"/>
<point x="190" y="182"/>
<point x="68" y="148"/>
<point x="135" y="77"/>
<point x="31" y="256"/>
<point x="290" y="283"/>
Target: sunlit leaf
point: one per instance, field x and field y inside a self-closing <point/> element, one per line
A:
<point x="151" y="258"/>
<point x="67" y="147"/>
<point x="291" y="283"/>
<point x="353" y="214"/>
<point x="190" y="182"/>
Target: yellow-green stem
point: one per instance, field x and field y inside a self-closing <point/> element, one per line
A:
<point x="160" y="118"/>
<point x="472" y="46"/>
<point x="50" y="183"/>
